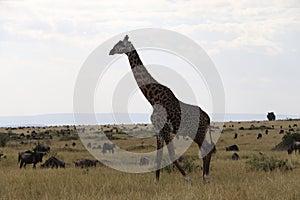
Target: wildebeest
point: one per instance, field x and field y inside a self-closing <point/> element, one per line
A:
<point x="108" y="147"/>
<point x="281" y="131"/>
<point x="235" y="136"/>
<point x="294" y="147"/>
<point x="259" y="136"/>
<point x="41" y="148"/>
<point x="295" y="125"/>
<point x="89" y="145"/>
<point x="53" y="162"/>
<point x="144" y="161"/>
<point x="2" y="155"/>
<point x="235" y="156"/>
<point x="232" y="148"/>
<point x="266" y="132"/>
<point x="29" y="157"/>
<point x="85" y="163"/>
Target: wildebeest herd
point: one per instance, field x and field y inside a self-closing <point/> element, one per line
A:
<point x="36" y="155"/>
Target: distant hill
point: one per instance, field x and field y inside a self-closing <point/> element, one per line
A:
<point x="109" y="118"/>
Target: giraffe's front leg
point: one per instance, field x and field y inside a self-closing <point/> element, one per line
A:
<point x="159" y="119"/>
<point x="160" y="145"/>
<point x="171" y="151"/>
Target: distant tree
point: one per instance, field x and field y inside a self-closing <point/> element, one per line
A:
<point x="271" y="116"/>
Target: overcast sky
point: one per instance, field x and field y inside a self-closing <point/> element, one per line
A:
<point x="254" y="45"/>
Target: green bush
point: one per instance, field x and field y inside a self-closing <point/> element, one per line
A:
<point x="266" y="163"/>
<point x="263" y="127"/>
<point x="287" y="141"/>
<point x="69" y="137"/>
<point x="4" y="138"/>
<point x="188" y="165"/>
<point x="289" y="138"/>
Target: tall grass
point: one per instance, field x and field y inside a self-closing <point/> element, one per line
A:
<point x="229" y="179"/>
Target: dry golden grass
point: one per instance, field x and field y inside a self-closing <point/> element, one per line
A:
<point x="228" y="180"/>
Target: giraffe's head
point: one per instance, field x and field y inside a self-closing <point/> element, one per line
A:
<point x="123" y="46"/>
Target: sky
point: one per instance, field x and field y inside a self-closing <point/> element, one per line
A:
<point x="253" y="44"/>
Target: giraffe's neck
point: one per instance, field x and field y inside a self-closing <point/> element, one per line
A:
<point x="141" y="75"/>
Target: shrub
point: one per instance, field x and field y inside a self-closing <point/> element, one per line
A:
<point x="263" y="127"/>
<point x="266" y="163"/>
<point x="289" y="138"/>
<point x="69" y="137"/>
<point x="287" y="141"/>
<point x="188" y="164"/>
<point x="4" y="138"/>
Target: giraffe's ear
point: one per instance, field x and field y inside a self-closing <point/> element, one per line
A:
<point x="126" y="38"/>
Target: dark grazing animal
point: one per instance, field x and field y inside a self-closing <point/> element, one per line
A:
<point x="295" y="146"/>
<point x="2" y="155"/>
<point x="29" y="157"/>
<point x="91" y="163"/>
<point x="144" y="161"/>
<point x="53" y="162"/>
<point x="232" y="148"/>
<point x="85" y="163"/>
<point x="266" y="132"/>
<point x="235" y="156"/>
<point x="41" y="148"/>
<point x="89" y="145"/>
<point x="108" y="147"/>
<point x="281" y="131"/>
<point x="235" y="136"/>
<point x="259" y="136"/>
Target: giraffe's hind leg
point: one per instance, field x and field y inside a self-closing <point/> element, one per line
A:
<point x="206" y="164"/>
<point x="206" y="150"/>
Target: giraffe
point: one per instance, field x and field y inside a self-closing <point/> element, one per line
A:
<point x="170" y="115"/>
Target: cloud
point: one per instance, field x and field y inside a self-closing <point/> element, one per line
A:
<point x="223" y="25"/>
<point x="56" y="36"/>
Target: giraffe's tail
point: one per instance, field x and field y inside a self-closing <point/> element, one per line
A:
<point x="208" y="146"/>
<point x="213" y="145"/>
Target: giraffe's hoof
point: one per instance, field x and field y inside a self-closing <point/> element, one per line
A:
<point x="206" y="178"/>
<point x="188" y="179"/>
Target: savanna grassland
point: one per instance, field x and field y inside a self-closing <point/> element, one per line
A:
<point x="229" y="179"/>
